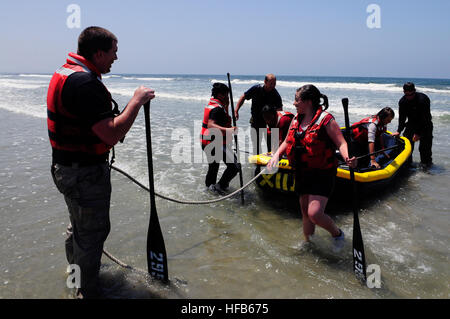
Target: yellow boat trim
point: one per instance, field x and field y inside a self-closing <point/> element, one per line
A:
<point x="366" y="177"/>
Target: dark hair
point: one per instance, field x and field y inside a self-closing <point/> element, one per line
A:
<point x="409" y="87"/>
<point x="268" y="109"/>
<point x="219" y="88"/>
<point x="93" y="39"/>
<point x="310" y="93"/>
<point x="385" y="113"/>
<point x="269" y="76"/>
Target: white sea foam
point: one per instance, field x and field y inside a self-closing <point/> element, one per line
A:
<point x="163" y="95"/>
<point x="147" y="78"/>
<point x="19" y="85"/>
<point x="111" y="76"/>
<point x="22" y="84"/>
<point x="47" y="76"/>
<point x="386" y="87"/>
<point x="39" y="111"/>
<point x="202" y="98"/>
<point x="239" y="81"/>
<point x="122" y="91"/>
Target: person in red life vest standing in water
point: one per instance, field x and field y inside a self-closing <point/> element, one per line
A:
<point x="368" y="132"/>
<point x="82" y="128"/>
<point x="415" y="107"/>
<point x="276" y="120"/>
<point x="310" y="146"/>
<point x="216" y="139"/>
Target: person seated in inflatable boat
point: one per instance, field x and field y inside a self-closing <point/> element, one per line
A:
<point x="368" y="132"/>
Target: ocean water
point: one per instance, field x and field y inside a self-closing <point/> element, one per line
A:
<point x="225" y="249"/>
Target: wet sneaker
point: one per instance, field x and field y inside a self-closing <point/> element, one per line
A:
<point x="216" y="189"/>
<point x="425" y="165"/>
<point x="338" y="242"/>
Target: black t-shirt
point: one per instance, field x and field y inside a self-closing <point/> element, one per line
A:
<point x="417" y="112"/>
<point x="219" y="116"/>
<point x="85" y="96"/>
<point x="260" y="98"/>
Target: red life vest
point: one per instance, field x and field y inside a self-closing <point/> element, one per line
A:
<point x="280" y="115"/>
<point x="360" y="132"/>
<point x="205" y="136"/>
<point x="318" y="148"/>
<point x="66" y="131"/>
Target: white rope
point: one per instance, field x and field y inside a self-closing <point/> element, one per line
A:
<point x="190" y="202"/>
<point x="124" y="265"/>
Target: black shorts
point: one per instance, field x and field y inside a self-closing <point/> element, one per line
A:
<point x="315" y="182"/>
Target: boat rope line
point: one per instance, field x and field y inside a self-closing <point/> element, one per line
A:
<point x="188" y="202"/>
<point x="124" y="265"/>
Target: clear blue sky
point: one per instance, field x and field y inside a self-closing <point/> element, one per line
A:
<point x="290" y="37"/>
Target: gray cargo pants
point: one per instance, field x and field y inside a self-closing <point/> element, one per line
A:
<point x="87" y="191"/>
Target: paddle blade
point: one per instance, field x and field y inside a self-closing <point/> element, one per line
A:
<point x="156" y="249"/>
<point x="359" y="259"/>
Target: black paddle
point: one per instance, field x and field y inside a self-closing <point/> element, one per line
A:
<point x="359" y="260"/>
<point x="376" y="152"/>
<point x="236" y="138"/>
<point x="379" y="151"/>
<point x="156" y="250"/>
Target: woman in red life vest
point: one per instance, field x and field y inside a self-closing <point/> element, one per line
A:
<point x="369" y="131"/>
<point x="310" y="146"/>
<point x="215" y="138"/>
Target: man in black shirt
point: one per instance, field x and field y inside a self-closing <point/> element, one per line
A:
<point x="415" y="107"/>
<point x="261" y="95"/>
<point x="82" y="128"/>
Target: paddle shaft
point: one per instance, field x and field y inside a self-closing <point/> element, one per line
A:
<point x="156" y="249"/>
<point x="235" y="137"/>
<point x="379" y="151"/>
<point x="359" y="260"/>
<point x="376" y="152"/>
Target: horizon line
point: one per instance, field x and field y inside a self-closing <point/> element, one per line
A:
<point x="253" y="75"/>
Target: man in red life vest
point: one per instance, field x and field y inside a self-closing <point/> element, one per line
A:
<point x="82" y="128"/>
<point x="276" y="120"/>
<point x="216" y="139"/>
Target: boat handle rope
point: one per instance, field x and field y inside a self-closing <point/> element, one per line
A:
<point x="189" y="202"/>
<point x="124" y="265"/>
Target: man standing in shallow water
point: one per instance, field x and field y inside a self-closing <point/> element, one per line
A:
<point x="261" y="95"/>
<point x="82" y="128"/>
<point x="415" y="107"/>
